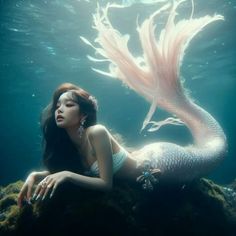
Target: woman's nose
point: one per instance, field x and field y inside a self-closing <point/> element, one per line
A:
<point x="59" y="109"/>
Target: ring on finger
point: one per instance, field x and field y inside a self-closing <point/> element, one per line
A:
<point x="49" y="186"/>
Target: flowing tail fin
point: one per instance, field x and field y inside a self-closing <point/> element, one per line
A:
<point x="155" y="75"/>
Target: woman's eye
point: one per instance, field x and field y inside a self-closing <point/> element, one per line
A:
<point x="69" y="104"/>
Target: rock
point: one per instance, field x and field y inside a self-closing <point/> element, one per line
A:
<point x="199" y="208"/>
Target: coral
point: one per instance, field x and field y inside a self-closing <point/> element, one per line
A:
<point x="199" y="208"/>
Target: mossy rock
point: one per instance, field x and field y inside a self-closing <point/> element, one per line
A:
<point x="199" y="208"/>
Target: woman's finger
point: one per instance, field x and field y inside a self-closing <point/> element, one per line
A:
<point x="20" y="197"/>
<point x="37" y="190"/>
<point x="29" y="191"/>
<point x="43" y="188"/>
<point x="19" y="201"/>
<point x="48" y="188"/>
<point x="40" y="194"/>
<point x="53" y="189"/>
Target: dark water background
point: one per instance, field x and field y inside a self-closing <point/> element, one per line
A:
<point x="40" y="48"/>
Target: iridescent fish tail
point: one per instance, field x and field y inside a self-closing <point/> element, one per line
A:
<point x="155" y="75"/>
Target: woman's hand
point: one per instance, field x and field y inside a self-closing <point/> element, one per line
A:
<point x="49" y="185"/>
<point x="26" y="190"/>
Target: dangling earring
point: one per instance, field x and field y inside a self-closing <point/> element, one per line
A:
<point x="81" y="129"/>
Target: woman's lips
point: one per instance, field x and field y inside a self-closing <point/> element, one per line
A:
<point x="60" y="118"/>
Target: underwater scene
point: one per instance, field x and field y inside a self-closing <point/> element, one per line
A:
<point x="49" y="42"/>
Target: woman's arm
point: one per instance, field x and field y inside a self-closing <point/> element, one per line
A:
<point x="94" y="183"/>
<point x="100" y="140"/>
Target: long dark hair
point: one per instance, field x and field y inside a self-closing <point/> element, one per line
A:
<point x="59" y="153"/>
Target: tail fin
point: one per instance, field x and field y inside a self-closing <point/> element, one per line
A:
<point x="155" y="76"/>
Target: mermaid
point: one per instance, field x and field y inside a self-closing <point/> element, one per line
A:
<point x="156" y="76"/>
<point x="79" y="150"/>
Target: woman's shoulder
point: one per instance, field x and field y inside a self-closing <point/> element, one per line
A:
<point x="97" y="131"/>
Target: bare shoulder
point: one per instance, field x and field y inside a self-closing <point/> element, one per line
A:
<point x="97" y="131"/>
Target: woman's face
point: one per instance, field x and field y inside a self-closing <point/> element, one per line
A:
<point x="67" y="113"/>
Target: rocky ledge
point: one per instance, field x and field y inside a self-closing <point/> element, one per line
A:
<point x="200" y="208"/>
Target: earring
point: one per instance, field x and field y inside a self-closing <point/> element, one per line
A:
<point x="81" y="129"/>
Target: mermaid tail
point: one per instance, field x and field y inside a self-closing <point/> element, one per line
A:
<point x="155" y="76"/>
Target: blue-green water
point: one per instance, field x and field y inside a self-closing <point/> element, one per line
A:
<point x="40" y="48"/>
